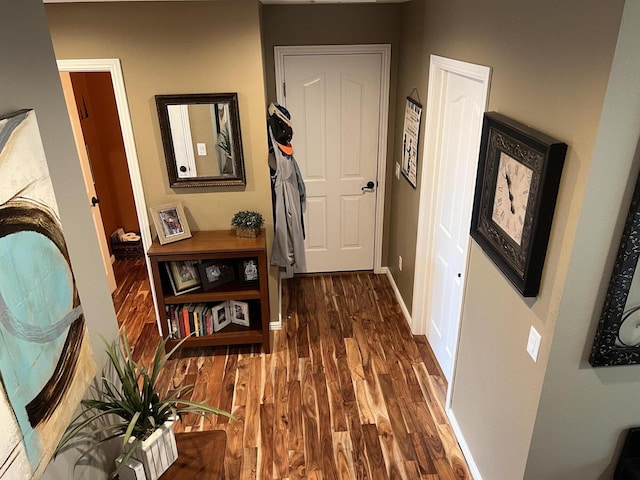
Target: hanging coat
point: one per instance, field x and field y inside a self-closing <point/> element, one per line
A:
<point x="288" y="241"/>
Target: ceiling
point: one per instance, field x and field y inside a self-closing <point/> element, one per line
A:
<point x="266" y="2"/>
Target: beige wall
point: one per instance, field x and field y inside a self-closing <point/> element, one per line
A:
<point x="402" y="210"/>
<point x="174" y="48"/>
<point x="335" y="25"/>
<point x="584" y="412"/>
<point x="30" y="80"/>
<point x="550" y="63"/>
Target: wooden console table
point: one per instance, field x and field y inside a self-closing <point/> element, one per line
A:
<point x="200" y="456"/>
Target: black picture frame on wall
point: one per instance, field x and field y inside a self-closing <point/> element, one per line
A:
<point x="410" y="140"/>
<point x="517" y="183"/>
<point x="620" y="310"/>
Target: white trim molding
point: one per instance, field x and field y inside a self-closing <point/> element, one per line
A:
<point x="384" y="50"/>
<point x="396" y="291"/>
<point x="466" y="451"/>
<point x="438" y="70"/>
<point x="112" y="66"/>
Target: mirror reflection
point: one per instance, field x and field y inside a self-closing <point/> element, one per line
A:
<point x="201" y="139"/>
<point x="629" y="331"/>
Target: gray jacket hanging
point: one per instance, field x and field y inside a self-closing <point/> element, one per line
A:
<point x="288" y="241"/>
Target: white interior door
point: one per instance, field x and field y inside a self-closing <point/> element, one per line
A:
<point x="335" y="105"/>
<point x="458" y="97"/>
<point x="67" y="87"/>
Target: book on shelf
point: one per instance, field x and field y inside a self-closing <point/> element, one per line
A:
<point x="172" y="322"/>
<point x="201" y="319"/>
<point x="197" y="319"/>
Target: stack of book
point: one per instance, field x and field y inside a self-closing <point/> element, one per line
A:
<point x="189" y="319"/>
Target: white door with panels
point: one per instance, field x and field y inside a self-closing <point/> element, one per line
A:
<point x="335" y="101"/>
<point x="457" y="99"/>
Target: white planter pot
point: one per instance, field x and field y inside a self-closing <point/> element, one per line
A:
<point x="157" y="452"/>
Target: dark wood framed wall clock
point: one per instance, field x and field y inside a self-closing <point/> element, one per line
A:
<point x="519" y="172"/>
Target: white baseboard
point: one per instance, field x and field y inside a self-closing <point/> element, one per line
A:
<point x="403" y="306"/>
<point x="466" y="451"/>
<point x="278" y="325"/>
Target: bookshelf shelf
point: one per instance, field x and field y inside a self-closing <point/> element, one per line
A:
<point x="205" y="246"/>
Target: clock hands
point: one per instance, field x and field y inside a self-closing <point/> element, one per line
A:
<point x="506" y="176"/>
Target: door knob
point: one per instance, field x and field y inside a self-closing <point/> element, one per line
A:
<point x="369" y="186"/>
<point x="183" y="168"/>
<point x="94" y="201"/>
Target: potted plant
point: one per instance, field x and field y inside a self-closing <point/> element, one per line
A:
<point x="134" y="411"/>
<point x="248" y="224"/>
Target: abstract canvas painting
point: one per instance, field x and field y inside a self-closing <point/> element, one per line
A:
<point x="46" y="361"/>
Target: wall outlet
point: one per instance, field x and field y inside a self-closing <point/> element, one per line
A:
<point x="533" y="344"/>
<point x="399" y="263"/>
<point x="202" y="149"/>
<point x="397" y="170"/>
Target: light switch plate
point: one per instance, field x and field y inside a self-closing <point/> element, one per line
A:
<point x="397" y="170"/>
<point x="533" y="344"/>
<point x="202" y="149"/>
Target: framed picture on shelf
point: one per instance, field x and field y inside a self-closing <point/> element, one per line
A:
<point x="214" y="273"/>
<point x="221" y="317"/>
<point x="239" y="313"/>
<point x="248" y="270"/>
<point x="170" y="222"/>
<point x="183" y="276"/>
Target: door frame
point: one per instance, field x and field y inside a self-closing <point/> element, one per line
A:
<point x="384" y="50"/>
<point x="439" y="68"/>
<point x="112" y="66"/>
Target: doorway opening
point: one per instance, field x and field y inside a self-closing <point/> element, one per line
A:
<point x="338" y="97"/>
<point x="98" y="109"/>
<point x="457" y="99"/>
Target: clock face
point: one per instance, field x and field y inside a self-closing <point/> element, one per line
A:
<point x="511" y="196"/>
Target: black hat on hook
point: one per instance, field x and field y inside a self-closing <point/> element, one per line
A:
<point x="279" y="121"/>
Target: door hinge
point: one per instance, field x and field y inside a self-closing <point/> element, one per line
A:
<point x="284" y="89"/>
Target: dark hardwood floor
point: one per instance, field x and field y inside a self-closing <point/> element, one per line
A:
<point x="347" y="392"/>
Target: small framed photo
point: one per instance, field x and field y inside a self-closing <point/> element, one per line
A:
<point x="221" y="316"/>
<point x="170" y="222"/>
<point x="183" y="276"/>
<point x="248" y="270"/>
<point x="214" y="273"/>
<point x="239" y="312"/>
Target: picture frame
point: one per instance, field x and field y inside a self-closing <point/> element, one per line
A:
<point x="239" y="313"/>
<point x="410" y="140"/>
<point x="221" y="317"/>
<point x="170" y="222"/>
<point x="183" y="276"/>
<point x="517" y="183"/>
<point x="248" y="271"/>
<point x="214" y="273"/>
<point x="616" y="341"/>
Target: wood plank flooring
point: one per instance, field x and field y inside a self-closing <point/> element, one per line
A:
<point x="347" y="392"/>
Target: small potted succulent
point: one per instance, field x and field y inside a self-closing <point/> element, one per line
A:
<point x="131" y="409"/>
<point x="248" y="224"/>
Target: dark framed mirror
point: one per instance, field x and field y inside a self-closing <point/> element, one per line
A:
<point x="201" y="139"/>
<point x="617" y="340"/>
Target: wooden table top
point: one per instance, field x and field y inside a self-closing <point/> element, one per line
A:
<point x="200" y="456"/>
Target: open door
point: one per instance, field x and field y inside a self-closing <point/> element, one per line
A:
<point x="67" y="87"/>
